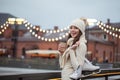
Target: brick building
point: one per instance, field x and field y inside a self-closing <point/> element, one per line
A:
<point x="103" y="45"/>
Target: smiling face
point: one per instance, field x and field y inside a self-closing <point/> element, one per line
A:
<point x="74" y="31"/>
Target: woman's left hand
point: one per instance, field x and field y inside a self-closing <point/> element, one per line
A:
<point x="75" y="45"/>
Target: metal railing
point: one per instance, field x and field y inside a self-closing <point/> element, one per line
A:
<point x="53" y="64"/>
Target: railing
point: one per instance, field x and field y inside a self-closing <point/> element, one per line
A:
<point x="47" y="63"/>
<point x="55" y="75"/>
<point x="104" y="73"/>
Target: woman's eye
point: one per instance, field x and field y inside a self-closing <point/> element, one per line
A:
<point x="76" y="28"/>
<point x="73" y="27"/>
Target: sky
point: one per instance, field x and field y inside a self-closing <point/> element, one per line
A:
<point x="50" y="13"/>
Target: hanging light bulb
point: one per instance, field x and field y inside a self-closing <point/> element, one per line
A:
<point x="113" y="28"/>
<point x="5" y="27"/>
<point x="60" y="37"/>
<point x="1" y="26"/>
<point x="58" y="30"/>
<point x="53" y="39"/>
<point x="66" y="34"/>
<point x="54" y="31"/>
<point x="116" y="35"/>
<point x="46" y="39"/>
<point x="61" y="30"/>
<point x="119" y="30"/>
<point x="110" y="27"/>
<point x="34" y="27"/>
<point x="63" y="36"/>
<point x="31" y="25"/>
<point x="49" y="40"/>
<point x="40" y="30"/>
<point x="26" y="25"/>
<point x="42" y="38"/>
<point x="107" y="26"/>
<point x="116" y="29"/>
<point x="30" y="30"/>
<point x="33" y="33"/>
<point x="39" y="37"/>
<point x="101" y="23"/>
<point x="3" y="30"/>
<point x="110" y="33"/>
<point x="37" y="29"/>
<point x="51" y="31"/>
<point x="56" y="39"/>
<point x="107" y="31"/>
<point x="113" y="34"/>
<point x="36" y="35"/>
<point x="102" y="28"/>
<point x="47" y="31"/>
<point x="44" y="31"/>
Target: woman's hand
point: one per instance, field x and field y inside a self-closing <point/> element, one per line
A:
<point x="75" y="45"/>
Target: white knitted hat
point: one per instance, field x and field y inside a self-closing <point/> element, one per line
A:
<point x="79" y="24"/>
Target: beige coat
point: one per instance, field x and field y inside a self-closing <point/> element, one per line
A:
<point x="71" y="59"/>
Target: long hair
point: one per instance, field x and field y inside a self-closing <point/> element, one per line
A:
<point x="76" y="38"/>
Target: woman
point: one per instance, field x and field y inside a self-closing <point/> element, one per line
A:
<point x="73" y="58"/>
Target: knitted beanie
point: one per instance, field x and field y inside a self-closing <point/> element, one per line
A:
<point x="79" y="24"/>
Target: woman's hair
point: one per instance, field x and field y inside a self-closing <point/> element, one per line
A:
<point x="76" y="38"/>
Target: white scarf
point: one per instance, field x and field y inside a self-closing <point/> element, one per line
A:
<point x="66" y="54"/>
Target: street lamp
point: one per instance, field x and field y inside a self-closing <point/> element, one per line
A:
<point x="16" y="22"/>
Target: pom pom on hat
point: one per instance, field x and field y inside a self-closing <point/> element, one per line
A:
<point x="79" y="23"/>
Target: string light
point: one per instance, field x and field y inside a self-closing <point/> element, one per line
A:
<point x="4" y="27"/>
<point x="33" y="30"/>
<point x="106" y="28"/>
<point x="109" y="29"/>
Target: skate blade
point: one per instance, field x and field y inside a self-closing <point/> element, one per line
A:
<point x="93" y="73"/>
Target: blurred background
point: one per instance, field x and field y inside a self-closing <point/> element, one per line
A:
<point x="30" y="31"/>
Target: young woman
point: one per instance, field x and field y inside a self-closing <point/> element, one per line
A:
<point x="73" y="58"/>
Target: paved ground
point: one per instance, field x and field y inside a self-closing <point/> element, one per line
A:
<point x="7" y="71"/>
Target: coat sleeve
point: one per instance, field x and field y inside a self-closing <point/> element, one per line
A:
<point x="73" y="59"/>
<point x="63" y="58"/>
<point x="81" y="52"/>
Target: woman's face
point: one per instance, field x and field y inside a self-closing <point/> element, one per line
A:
<point x="74" y="31"/>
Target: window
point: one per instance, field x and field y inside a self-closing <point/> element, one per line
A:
<point x="105" y="37"/>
